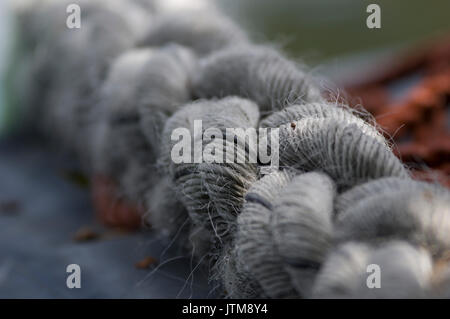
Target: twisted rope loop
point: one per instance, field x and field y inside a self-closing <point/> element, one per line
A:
<point x="339" y="202"/>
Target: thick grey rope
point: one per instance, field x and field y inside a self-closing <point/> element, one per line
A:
<point x="340" y="201"/>
<point x="258" y="73"/>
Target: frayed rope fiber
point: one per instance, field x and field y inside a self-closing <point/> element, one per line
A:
<point x="113" y="91"/>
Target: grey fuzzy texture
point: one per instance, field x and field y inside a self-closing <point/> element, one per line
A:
<point x="142" y="89"/>
<point x="211" y="192"/>
<point x="405" y="271"/>
<point x="68" y="69"/>
<point x="202" y="31"/>
<point x="253" y="237"/>
<point x="416" y="212"/>
<point x="258" y="73"/>
<point x="166" y="214"/>
<point x="114" y="91"/>
<point x="235" y="279"/>
<point x="335" y="141"/>
<point x="285" y="230"/>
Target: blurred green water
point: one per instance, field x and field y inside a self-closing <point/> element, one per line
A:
<point x="322" y="29"/>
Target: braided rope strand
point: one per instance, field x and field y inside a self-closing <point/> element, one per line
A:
<point x="340" y="201"/>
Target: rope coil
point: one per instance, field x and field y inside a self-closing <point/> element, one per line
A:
<point x="340" y="201"/>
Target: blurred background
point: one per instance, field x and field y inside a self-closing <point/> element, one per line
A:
<point x="399" y="73"/>
<point x="323" y="29"/>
